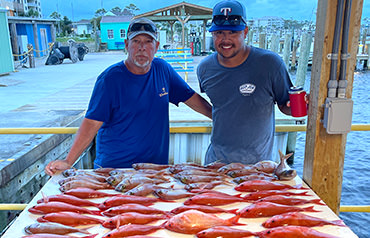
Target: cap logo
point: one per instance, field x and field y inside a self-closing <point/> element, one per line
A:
<point x="226" y="10"/>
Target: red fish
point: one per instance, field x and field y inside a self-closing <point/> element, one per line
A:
<point x="131" y="230"/>
<point x="133" y="218"/>
<point x="266" y="166"/>
<point x="56" y="236"/>
<point x="193" y="221"/>
<point x="52" y="228"/>
<point x="268" y="209"/>
<point x="298" y="219"/>
<point x="293" y="232"/>
<point x="224" y="232"/>
<point x="68" y="199"/>
<point x="286" y="200"/>
<point x="83" y="184"/>
<point x="244" y="178"/>
<point x="200" y="186"/>
<point x="171" y="194"/>
<point x="213" y="199"/>
<point x="51" y="207"/>
<point x="69" y="219"/>
<point x="124" y="199"/>
<point x="138" y="166"/>
<point x="232" y="166"/>
<point x="258" y="185"/>
<point x="88" y="193"/>
<point x="202" y="208"/>
<point x="265" y="193"/>
<point x="113" y="211"/>
<point x="214" y="165"/>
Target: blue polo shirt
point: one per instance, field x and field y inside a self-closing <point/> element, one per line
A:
<point x="134" y="110"/>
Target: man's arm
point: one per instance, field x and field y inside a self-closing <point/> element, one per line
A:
<point x="199" y="104"/>
<point x="85" y="135"/>
<point x="285" y="109"/>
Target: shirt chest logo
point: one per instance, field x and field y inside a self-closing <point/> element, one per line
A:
<point x="163" y="92"/>
<point x="247" y="89"/>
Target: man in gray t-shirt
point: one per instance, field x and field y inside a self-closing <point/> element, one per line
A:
<point x="243" y="84"/>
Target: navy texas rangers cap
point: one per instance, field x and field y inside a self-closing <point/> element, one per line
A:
<point x="228" y="15"/>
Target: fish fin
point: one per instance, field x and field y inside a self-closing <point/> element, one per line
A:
<point x="98" y="213"/>
<point x="118" y="223"/>
<point x="317" y="201"/>
<point x="338" y="223"/>
<point x="281" y="155"/>
<point x="234" y="220"/>
<point x="310" y="209"/>
<point x="91" y="236"/>
<point x="233" y="211"/>
<point x="45" y="198"/>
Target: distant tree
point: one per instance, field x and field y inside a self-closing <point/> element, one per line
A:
<point x="55" y="15"/>
<point x="116" y="10"/>
<point x="132" y="8"/>
<point x="32" y="13"/>
<point x="100" y="12"/>
<point x="66" y="25"/>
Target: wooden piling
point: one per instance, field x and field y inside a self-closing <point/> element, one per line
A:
<point x="262" y="41"/>
<point x="275" y="43"/>
<point x="286" y="51"/>
<point x="304" y="55"/>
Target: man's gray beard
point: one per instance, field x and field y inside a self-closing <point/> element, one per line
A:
<point x="141" y="65"/>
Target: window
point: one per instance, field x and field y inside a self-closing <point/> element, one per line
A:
<point x="110" y="34"/>
<point x="123" y="33"/>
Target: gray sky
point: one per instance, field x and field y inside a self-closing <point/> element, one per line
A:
<point x="287" y="9"/>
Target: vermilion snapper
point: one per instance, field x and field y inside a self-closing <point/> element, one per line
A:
<point x="113" y="211"/>
<point x="202" y="208"/>
<point x="56" y="236"/>
<point x="124" y="199"/>
<point x="51" y="207"/>
<point x="298" y="219"/>
<point x="265" y="193"/>
<point x="267" y="209"/>
<point x="286" y="200"/>
<point x="69" y="219"/>
<point x="68" y="199"/>
<point x="258" y="185"/>
<point x="224" y="232"/>
<point x="52" y="228"/>
<point x="214" y="199"/>
<point x="132" y="218"/>
<point x="193" y="221"/>
<point x="131" y="230"/>
<point x="88" y="193"/>
<point x="293" y="232"/>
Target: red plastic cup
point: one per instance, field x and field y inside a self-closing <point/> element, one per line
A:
<point x="298" y="104"/>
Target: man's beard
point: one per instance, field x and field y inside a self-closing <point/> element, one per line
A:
<point x="146" y="63"/>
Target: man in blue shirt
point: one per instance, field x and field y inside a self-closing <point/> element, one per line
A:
<point x="128" y="110"/>
<point x="243" y="83"/>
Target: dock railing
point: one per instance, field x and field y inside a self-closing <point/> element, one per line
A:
<point x="184" y="130"/>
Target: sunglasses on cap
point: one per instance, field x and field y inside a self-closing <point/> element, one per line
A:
<point x="141" y="26"/>
<point x="233" y="20"/>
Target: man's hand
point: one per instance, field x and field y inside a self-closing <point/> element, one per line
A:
<point x="56" y="166"/>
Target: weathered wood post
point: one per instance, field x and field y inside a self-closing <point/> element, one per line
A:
<point x="31" y="56"/>
<point x="304" y="55"/>
<point x="294" y="54"/>
<point x="286" y="50"/>
<point x="275" y="43"/>
<point x="262" y="41"/>
<point x="324" y="153"/>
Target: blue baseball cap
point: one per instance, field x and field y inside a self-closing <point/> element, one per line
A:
<point x="229" y="15"/>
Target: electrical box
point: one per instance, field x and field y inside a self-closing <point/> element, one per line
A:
<point x="338" y="115"/>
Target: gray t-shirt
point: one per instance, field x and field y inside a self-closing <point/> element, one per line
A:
<point x="243" y="101"/>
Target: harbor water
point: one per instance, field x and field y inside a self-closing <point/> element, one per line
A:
<point x="356" y="174"/>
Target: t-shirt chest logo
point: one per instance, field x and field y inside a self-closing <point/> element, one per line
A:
<point x="247" y="89"/>
<point x="163" y="92"/>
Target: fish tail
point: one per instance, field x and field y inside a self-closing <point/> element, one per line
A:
<point x="91" y="236"/>
<point x="85" y="230"/>
<point x="234" y="220"/>
<point x="310" y="209"/>
<point x="98" y="213"/>
<point x="233" y="211"/>
<point x="317" y="201"/>
<point x="338" y="223"/>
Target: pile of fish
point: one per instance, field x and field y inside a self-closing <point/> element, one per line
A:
<point x="87" y="199"/>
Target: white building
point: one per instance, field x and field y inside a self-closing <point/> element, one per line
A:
<point x="30" y="8"/>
